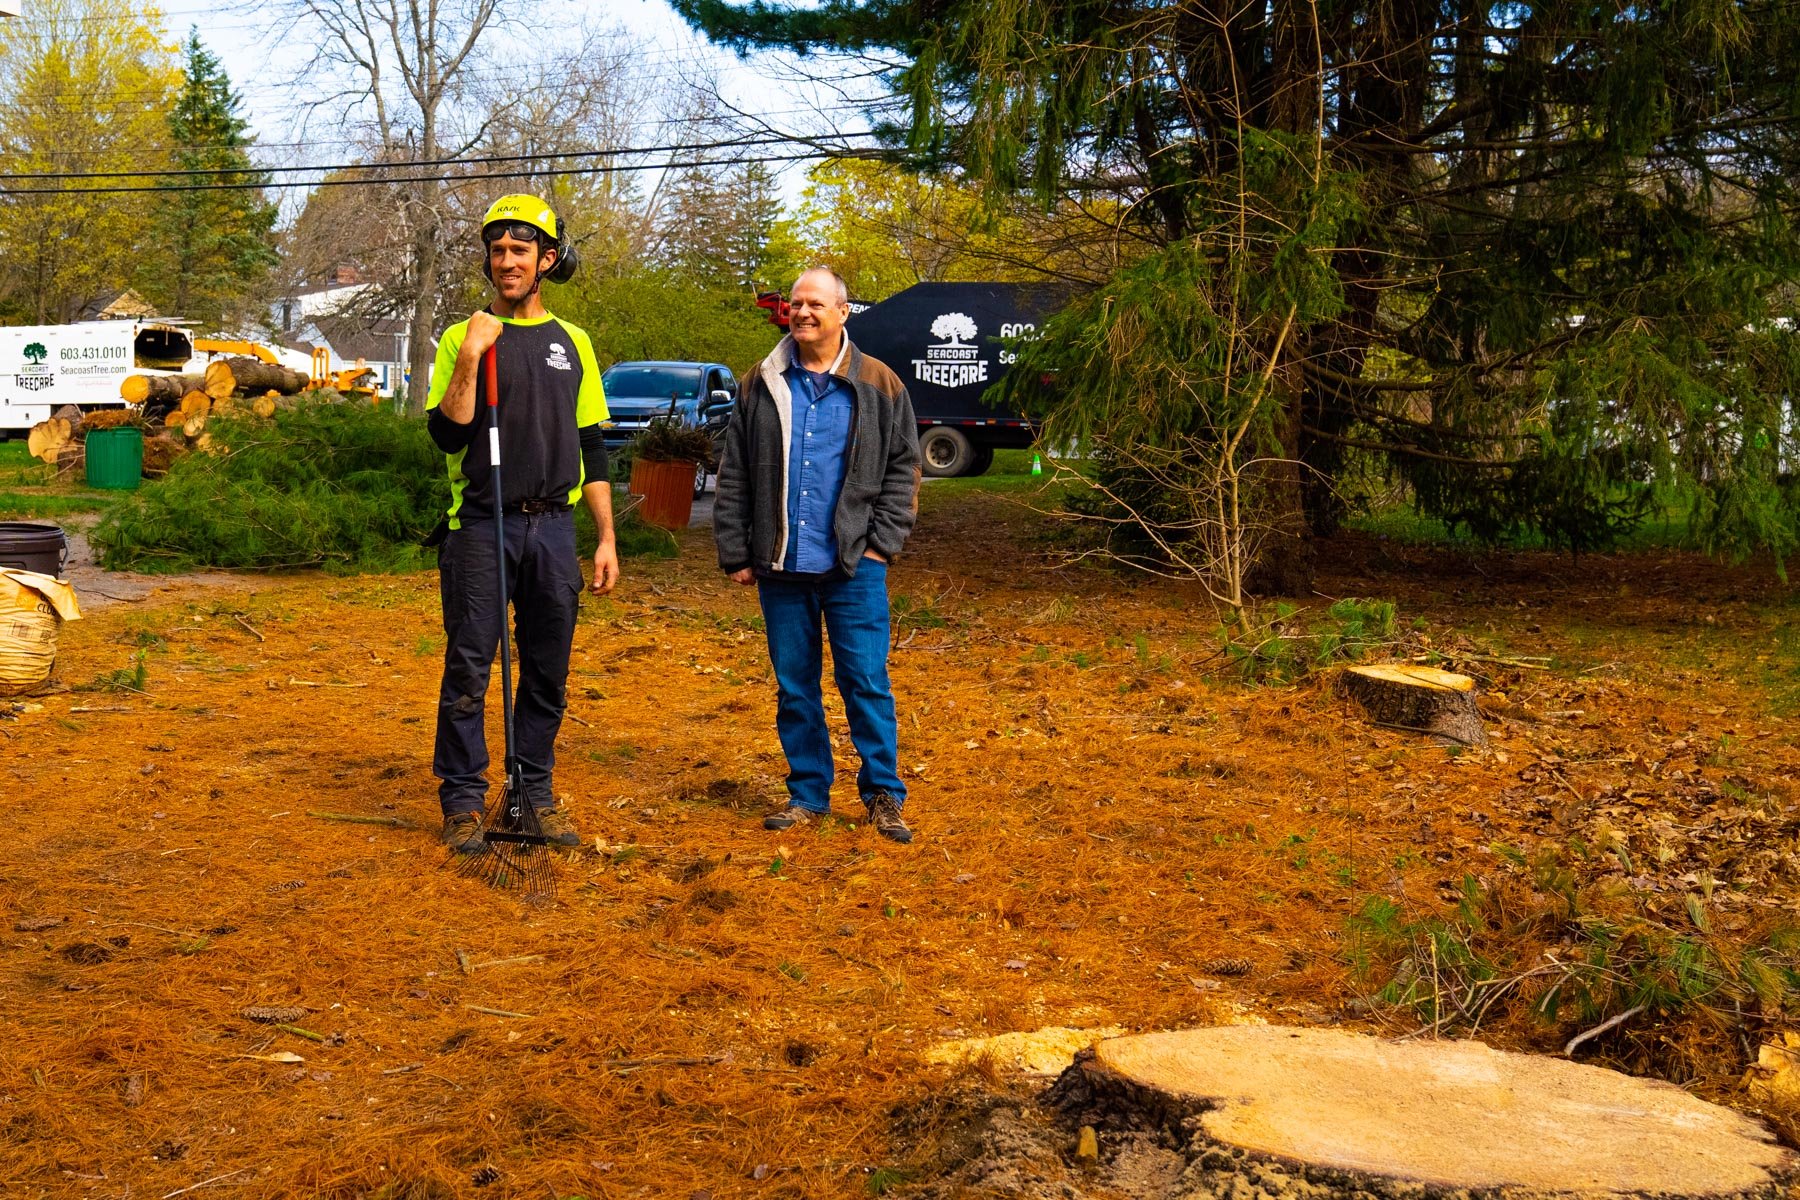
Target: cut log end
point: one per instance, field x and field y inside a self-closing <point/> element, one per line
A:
<point x="1419" y="699"/>
<point x="158" y="389"/>
<point x="47" y="438"/>
<point x="1454" y="1117"/>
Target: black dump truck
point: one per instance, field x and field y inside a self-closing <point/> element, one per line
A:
<point x="948" y="342"/>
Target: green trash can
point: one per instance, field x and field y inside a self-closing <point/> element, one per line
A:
<point x="115" y="458"/>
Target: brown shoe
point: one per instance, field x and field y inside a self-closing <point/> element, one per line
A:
<point x="558" y="826"/>
<point x="462" y="833"/>
<point x="884" y="814"/>
<point x="791" y="817"/>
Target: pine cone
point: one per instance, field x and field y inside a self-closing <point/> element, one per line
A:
<point x="273" y="1016"/>
<point x="1228" y="966"/>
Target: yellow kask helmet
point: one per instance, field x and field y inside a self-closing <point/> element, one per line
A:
<point x="531" y="211"/>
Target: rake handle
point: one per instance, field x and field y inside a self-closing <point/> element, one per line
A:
<point x="490" y="378"/>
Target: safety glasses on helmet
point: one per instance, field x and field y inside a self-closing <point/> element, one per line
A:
<point x="517" y="230"/>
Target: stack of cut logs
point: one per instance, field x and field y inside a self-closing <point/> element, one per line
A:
<point x="227" y="384"/>
<point x="178" y="406"/>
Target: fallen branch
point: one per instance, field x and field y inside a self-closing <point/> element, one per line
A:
<point x="1610" y="1022"/>
<point x="496" y="1012"/>
<point x="247" y="625"/>
<point x="308" y="1034"/>
<point x="507" y="962"/>
<point x="407" y="1069"/>
<point x="1523" y="664"/>
<point x="215" y="1179"/>
<point x="292" y="682"/>
<point x="633" y="1064"/>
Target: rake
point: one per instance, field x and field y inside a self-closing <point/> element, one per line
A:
<point x="516" y="854"/>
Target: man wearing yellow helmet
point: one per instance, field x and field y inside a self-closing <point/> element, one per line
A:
<point x="549" y="419"/>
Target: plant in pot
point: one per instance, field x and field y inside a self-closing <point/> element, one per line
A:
<point x="670" y="460"/>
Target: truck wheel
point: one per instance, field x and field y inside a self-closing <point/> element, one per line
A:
<point x="945" y="452"/>
<point x="699" y="480"/>
<point x="981" y="460"/>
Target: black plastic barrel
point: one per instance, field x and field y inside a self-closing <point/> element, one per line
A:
<point x="29" y="546"/>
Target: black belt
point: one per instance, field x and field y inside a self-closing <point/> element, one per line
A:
<point x="536" y="505"/>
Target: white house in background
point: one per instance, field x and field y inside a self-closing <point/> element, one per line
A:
<point x="326" y="314"/>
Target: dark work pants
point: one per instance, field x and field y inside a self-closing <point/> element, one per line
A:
<point x="543" y="580"/>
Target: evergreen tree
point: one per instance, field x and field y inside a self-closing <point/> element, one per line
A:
<point x="722" y="229"/>
<point x="698" y="227"/>
<point x="215" y="245"/>
<point x="756" y="208"/>
<point x="1532" y="256"/>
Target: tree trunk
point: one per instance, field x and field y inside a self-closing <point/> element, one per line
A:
<point x="227" y="375"/>
<point x="136" y="389"/>
<point x="1420" y="699"/>
<point x="419" y="354"/>
<point x="1281" y="555"/>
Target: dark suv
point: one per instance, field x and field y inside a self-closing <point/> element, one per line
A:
<point x="639" y="391"/>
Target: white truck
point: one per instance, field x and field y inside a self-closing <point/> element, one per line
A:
<point x="43" y="367"/>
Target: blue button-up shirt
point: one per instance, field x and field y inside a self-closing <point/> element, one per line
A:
<point x="819" y="442"/>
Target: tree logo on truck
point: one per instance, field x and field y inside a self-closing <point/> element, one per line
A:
<point x="35" y="376"/>
<point x="953" y="362"/>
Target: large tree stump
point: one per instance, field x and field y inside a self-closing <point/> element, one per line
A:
<point x="1358" y="1115"/>
<point x="1421" y="699"/>
<point x="227" y="375"/>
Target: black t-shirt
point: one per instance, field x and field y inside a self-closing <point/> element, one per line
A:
<point x="549" y="390"/>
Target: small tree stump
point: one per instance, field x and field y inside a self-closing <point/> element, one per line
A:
<point x="1422" y="699"/>
<point x="1362" y="1116"/>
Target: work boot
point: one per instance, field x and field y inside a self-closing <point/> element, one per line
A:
<point x="558" y="826"/>
<point x="791" y="817"/>
<point x="462" y="833"/>
<point x="884" y="814"/>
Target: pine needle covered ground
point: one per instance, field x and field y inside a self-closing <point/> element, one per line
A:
<point x="1107" y="836"/>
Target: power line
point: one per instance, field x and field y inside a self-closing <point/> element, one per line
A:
<point x="117" y="153"/>
<point x="471" y="160"/>
<point x="597" y="169"/>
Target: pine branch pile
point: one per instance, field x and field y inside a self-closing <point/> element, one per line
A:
<point x="347" y="487"/>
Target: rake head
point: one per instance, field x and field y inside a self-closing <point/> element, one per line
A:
<point x="516" y="856"/>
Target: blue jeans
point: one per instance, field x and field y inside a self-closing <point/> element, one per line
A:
<point x="854" y="613"/>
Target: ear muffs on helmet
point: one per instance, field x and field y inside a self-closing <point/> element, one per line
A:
<point x="567" y="260"/>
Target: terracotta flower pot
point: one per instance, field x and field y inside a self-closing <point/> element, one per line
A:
<point x="668" y="490"/>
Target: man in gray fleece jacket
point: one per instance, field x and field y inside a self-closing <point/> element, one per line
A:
<point x="818" y="489"/>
